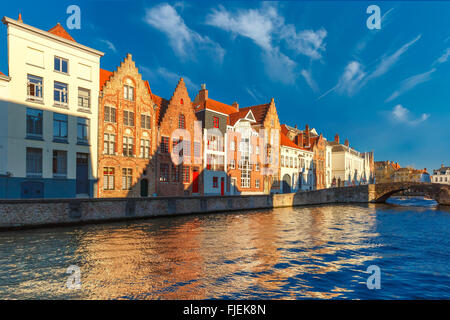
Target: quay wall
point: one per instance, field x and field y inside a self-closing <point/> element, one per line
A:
<point x="51" y="212"/>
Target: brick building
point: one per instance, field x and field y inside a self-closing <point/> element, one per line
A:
<point x="127" y="131"/>
<point x="178" y="160"/>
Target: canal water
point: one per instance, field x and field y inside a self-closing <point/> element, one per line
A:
<point x="289" y="253"/>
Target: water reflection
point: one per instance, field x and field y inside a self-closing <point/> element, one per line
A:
<point x="287" y="253"/>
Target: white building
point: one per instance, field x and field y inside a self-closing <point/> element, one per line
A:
<point x="349" y="167"/>
<point x="328" y="165"/>
<point x="296" y="166"/>
<point x="441" y="175"/>
<point x="48" y="136"/>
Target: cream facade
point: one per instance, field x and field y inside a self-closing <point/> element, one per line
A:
<point x="49" y="147"/>
<point x="441" y="175"/>
<point x="296" y="167"/>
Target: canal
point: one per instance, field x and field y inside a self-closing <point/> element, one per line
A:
<point x="287" y="253"/>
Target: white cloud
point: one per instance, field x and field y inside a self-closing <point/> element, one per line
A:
<point x="410" y="83"/>
<point x="444" y="57"/>
<point x="309" y="80"/>
<point x="155" y="75"/>
<point x="109" y="44"/>
<point x="267" y="29"/>
<point x="182" y="39"/>
<point x="388" y="61"/>
<point x="254" y="93"/>
<point x="401" y="114"/>
<point x="351" y="78"/>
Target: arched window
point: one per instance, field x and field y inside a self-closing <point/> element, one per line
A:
<point x="181" y="101"/>
<point x="181" y="122"/>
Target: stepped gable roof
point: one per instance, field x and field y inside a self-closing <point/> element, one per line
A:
<point x="259" y="112"/>
<point x="104" y="76"/>
<point x="59" y="31"/>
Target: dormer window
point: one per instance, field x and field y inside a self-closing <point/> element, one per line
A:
<point x="128" y="92"/>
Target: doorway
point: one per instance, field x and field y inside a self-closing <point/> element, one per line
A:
<point x="144" y="188"/>
<point x="82" y="180"/>
<point x="195" y="180"/>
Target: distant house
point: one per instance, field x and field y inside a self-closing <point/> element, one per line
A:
<point x="441" y="175"/>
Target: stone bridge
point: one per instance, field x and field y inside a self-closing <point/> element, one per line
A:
<point x="382" y="191"/>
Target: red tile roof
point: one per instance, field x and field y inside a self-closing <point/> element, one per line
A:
<point x="258" y="111"/>
<point x="285" y="141"/>
<point x="104" y="76"/>
<point x="234" y="117"/>
<point x="215" y="106"/>
<point x="2" y="73"/>
<point x="59" y="31"/>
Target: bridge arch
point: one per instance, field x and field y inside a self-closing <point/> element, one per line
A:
<point x="438" y="192"/>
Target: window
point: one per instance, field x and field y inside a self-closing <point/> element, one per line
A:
<point x="128" y="93"/>
<point x="233" y="146"/>
<point x="83" y="130"/>
<point x="186" y="172"/>
<point x="245" y="179"/>
<point x="256" y="183"/>
<point x="256" y="166"/>
<point x="232" y="164"/>
<point x="127" y="146"/>
<point x="127" y="178"/>
<point x="215" y="122"/>
<point x="145" y="121"/>
<point x="128" y="118"/>
<point x="34" y="88"/>
<point x="197" y="148"/>
<point x="34" y="123"/>
<point x="59" y="164"/>
<point x="257" y="149"/>
<point x="60" y="127"/>
<point x="34" y="162"/>
<point x="165" y="144"/>
<point x="108" y="178"/>
<point x="61" y="65"/>
<point x="164" y="172"/>
<point x="109" y="143"/>
<point x="181" y="122"/>
<point x="175" y="174"/>
<point x="110" y="114"/>
<point x="282" y="161"/>
<point x="145" y="148"/>
<point x="60" y="93"/>
<point x="215" y="182"/>
<point x="84" y="98"/>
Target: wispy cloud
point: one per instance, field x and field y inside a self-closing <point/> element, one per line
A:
<point x="350" y="81"/>
<point x="108" y="44"/>
<point x="267" y="29"/>
<point x="401" y="114"/>
<point x="410" y="83"/>
<point x="254" y="93"/>
<point x="388" y="61"/>
<point x="444" y="57"/>
<point x="309" y="80"/>
<point x="161" y="73"/>
<point x="182" y="39"/>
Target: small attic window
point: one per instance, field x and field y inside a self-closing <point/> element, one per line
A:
<point x="181" y="101"/>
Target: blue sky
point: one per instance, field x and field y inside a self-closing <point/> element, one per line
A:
<point x="385" y="90"/>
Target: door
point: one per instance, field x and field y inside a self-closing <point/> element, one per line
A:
<point x="195" y="181"/>
<point x="233" y="186"/>
<point x="286" y="183"/>
<point x="144" y="188"/>
<point x="222" y="186"/>
<point x="82" y="173"/>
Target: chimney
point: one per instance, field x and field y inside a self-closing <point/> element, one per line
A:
<point x="235" y="105"/>
<point x="336" y="138"/>
<point x="20" y="18"/>
<point x="346" y="142"/>
<point x="203" y="93"/>
<point x="299" y="140"/>
<point x="295" y="126"/>
<point x="307" y="141"/>
<point x="442" y="165"/>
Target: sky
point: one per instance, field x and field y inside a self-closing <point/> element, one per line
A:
<point x="386" y="90"/>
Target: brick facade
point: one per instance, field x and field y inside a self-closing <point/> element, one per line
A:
<point x="184" y="179"/>
<point x="120" y="123"/>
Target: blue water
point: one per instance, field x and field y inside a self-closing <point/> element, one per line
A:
<point x="317" y="252"/>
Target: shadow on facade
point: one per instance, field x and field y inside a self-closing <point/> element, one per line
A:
<point x="45" y="154"/>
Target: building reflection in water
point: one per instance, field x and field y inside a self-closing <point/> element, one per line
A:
<point x="251" y="254"/>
